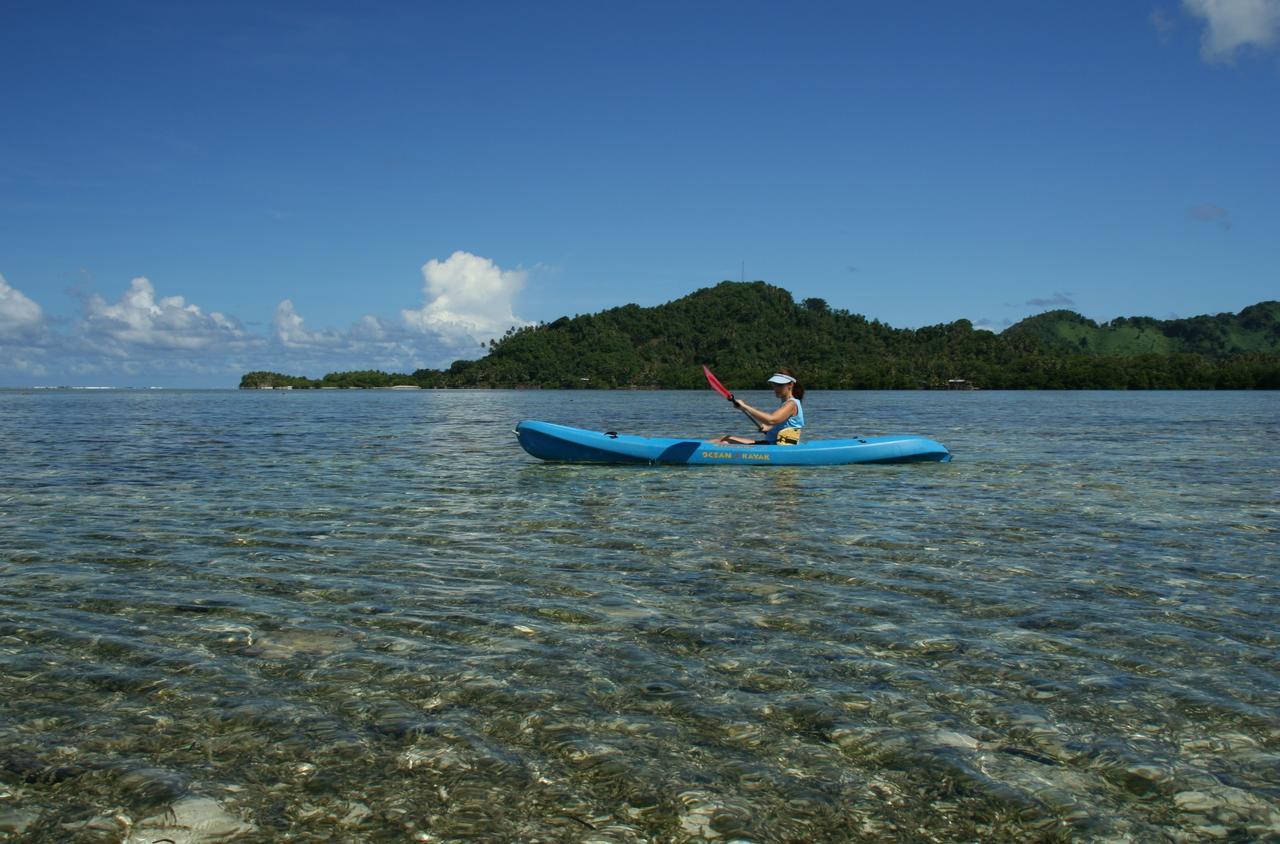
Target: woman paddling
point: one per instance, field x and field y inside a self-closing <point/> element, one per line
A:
<point x="782" y="426"/>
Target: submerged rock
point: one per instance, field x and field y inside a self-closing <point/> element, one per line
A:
<point x="1231" y="808"/>
<point x="195" y="820"/>
<point x="151" y="787"/>
<point x="357" y="815"/>
<point x="17" y="821"/>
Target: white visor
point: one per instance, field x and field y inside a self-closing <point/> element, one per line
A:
<point x="779" y="378"/>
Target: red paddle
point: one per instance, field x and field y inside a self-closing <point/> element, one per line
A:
<point x="715" y="384"/>
<point x="720" y="388"/>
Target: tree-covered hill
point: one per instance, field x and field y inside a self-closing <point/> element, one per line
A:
<point x="745" y="330"/>
<point x="1256" y="329"/>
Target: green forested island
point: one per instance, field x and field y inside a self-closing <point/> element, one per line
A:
<point x="745" y="329"/>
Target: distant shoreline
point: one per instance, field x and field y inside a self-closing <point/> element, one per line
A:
<point x="745" y="330"/>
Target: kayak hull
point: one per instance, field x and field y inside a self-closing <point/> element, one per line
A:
<point x="562" y="443"/>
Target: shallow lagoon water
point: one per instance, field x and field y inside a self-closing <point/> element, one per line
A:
<point x="369" y="615"/>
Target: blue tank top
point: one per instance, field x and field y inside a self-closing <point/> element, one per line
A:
<point x="796" y="421"/>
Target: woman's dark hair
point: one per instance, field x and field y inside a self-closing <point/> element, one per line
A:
<point x="797" y="389"/>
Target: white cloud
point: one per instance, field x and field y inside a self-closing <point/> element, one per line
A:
<point x="1232" y="24"/>
<point x="20" y="318"/>
<point x="466" y="295"/>
<point x="369" y="328"/>
<point x="141" y="321"/>
<point x="370" y="343"/>
<point x="23" y="365"/>
<point x="289" y="330"/>
<point x="994" y="326"/>
<point x="144" y="337"/>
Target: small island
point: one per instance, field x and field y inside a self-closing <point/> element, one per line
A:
<point x="744" y="328"/>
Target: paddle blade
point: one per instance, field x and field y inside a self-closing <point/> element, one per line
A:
<point x="715" y="383"/>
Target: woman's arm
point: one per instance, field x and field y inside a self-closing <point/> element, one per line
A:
<point x="768" y="420"/>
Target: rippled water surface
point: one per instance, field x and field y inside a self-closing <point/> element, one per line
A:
<point x="369" y="615"/>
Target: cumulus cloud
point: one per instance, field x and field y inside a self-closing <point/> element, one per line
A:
<point x="995" y="326"/>
<point x="23" y="365"/>
<point x="289" y="330"/>
<point x="466" y="294"/>
<point x="369" y="328"/>
<point x="468" y="300"/>
<point x="370" y="343"/>
<point x="166" y="339"/>
<point x="1234" y="24"/>
<point x="1210" y="213"/>
<point x="20" y="318"/>
<point x="1057" y="300"/>
<point x="141" y="321"/>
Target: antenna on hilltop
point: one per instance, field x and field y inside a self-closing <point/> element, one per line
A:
<point x="743" y="276"/>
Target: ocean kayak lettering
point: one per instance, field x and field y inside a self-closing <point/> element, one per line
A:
<point x="729" y="455"/>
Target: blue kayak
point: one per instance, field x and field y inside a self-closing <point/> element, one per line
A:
<point x="549" y="441"/>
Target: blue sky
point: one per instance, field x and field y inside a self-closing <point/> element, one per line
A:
<point x="191" y="191"/>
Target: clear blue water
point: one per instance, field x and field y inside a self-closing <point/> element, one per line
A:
<point x="346" y="615"/>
